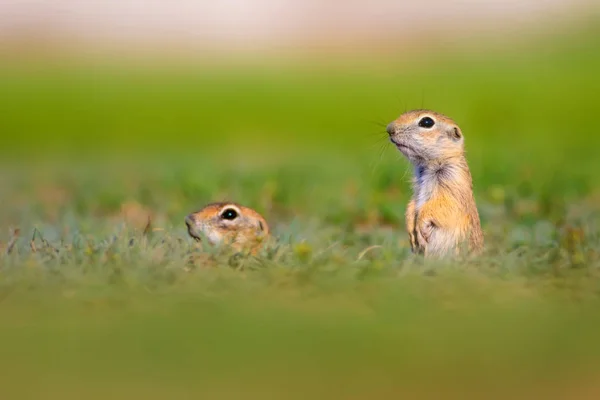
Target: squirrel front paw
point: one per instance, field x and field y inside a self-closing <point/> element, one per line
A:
<point x="424" y="231"/>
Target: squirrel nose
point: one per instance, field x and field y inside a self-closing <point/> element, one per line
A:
<point x="189" y="220"/>
<point x="391" y="128"/>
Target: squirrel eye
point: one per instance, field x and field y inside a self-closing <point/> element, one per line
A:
<point x="426" y="122"/>
<point x="229" y="214"/>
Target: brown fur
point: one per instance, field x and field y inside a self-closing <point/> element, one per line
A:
<point x="442" y="214"/>
<point x="247" y="232"/>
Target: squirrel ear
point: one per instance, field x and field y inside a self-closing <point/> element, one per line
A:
<point x="455" y="133"/>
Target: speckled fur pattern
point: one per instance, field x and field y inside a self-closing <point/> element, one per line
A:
<point x="247" y="232"/>
<point x="441" y="215"/>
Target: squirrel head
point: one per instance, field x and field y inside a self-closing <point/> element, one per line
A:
<point x="424" y="136"/>
<point x="228" y="224"/>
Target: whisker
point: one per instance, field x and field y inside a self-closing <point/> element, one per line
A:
<point x="406" y="171"/>
<point x="382" y="149"/>
<point x="378" y="145"/>
<point x="378" y="123"/>
<point x="377" y="161"/>
<point x="379" y="134"/>
<point x="407" y="168"/>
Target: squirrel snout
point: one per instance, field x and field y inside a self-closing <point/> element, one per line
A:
<point x="190" y="220"/>
<point x="391" y="128"/>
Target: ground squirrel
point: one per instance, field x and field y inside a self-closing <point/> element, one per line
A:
<point x="442" y="214"/>
<point x="231" y="224"/>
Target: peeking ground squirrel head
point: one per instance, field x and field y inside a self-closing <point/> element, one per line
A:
<point x="227" y="223"/>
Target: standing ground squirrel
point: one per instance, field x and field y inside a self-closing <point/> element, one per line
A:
<point x="229" y="224"/>
<point x="442" y="213"/>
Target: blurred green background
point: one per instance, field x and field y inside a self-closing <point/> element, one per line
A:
<point x="95" y="301"/>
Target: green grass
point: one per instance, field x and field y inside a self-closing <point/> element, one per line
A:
<point x="92" y="306"/>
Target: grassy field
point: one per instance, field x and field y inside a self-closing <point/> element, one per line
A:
<point x="97" y="302"/>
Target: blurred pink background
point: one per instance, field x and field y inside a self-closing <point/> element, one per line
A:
<point x="233" y="25"/>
